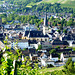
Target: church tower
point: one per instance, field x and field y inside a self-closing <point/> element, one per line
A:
<point x="45" y="26"/>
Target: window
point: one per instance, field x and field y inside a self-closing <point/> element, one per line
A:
<point x="45" y="39"/>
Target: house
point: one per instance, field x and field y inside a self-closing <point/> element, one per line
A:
<point x="60" y="43"/>
<point x="33" y="57"/>
<point x="73" y="44"/>
<point x="45" y="62"/>
<point x="43" y="55"/>
<point x="64" y="56"/>
<point x="28" y="51"/>
<point x="7" y="26"/>
<point x="33" y="44"/>
<point x="54" y="57"/>
<point x="63" y="50"/>
<point x="30" y="27"/>
<point x="45" y="44"/>
<point x="70" y="37"/>
<point x="57" y="34"/>
<point x="23" y="43"/>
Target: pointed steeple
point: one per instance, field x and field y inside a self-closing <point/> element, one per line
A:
<point x="45" y="20"/>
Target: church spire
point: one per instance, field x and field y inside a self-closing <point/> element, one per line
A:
<point x="45" y="20"/>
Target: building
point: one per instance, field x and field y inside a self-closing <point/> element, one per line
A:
<point x="45" y="26"/>
<point x="59" y="43"/>
<point x="45" y="44"/>
<point x="38" y="35"/>
<point x="35" y="35"/>
<point x="33" y="44"/>
<point x="73" y="44"/>
<point x="54" y="57"/>
<point x="45" y="62"/>
<point x="19" y="43"/>
<point x="43" y="55"/>
<point x="33" y="57"/>
<point x="65" y="56"/>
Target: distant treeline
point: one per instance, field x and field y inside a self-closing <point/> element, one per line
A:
<point x="53" y="8"/>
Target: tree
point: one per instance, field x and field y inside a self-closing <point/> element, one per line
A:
<point x="52" y="51"/>
<point x="70" y="22"/>
<point x="65" y="31"/>
<point x="61" y="27"/>
<point x="39" y="47"/>
<point x="69" y="67"/>
<point x="7" y="65"/>
<point x="52" y="18"/>
<point x="58" y="47"/>
<point x="58" y="31"/>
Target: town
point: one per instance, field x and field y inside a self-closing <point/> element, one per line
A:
<point x="30" y="38"/>
<point x="47" y="45"/>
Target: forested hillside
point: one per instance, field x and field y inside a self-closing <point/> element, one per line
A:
<point x="64" y="3"/>
<point x="53" y="6"/>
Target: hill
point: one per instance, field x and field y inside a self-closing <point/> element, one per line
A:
<point x="64" y="3"/>
<point x="29" y="3"/>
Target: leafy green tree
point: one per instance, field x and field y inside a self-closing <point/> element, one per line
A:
<point x="7" y="65"/>
<point x="39" y="47"/>
<point x="58" y="47"/>
<point x="52" y="51"/>
<point x="69" y="67"/>
<point x="52" y="18"/>
<point x="58" y="31"/>
<point x="65" y="31"/>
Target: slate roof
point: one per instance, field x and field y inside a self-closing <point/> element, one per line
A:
<point x="69" y="54"/>
<point x="69" y="37"/>
<point x="32" y="41"/>
<point x="15" y="40"/>
<point x="73" y="42"/>
<point x="35" y="34"/>
<point x="54" y="55"/>
<point x="63" y="50"/>
<point x="45" y="43"/>
<point x="59" y="42"/>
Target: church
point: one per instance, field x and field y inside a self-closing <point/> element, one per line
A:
<point x="38" y="35"/>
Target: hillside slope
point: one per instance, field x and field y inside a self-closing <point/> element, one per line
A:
<point x="64" y="3"/>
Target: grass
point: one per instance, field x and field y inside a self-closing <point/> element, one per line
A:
<point x="51" y="69"/>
